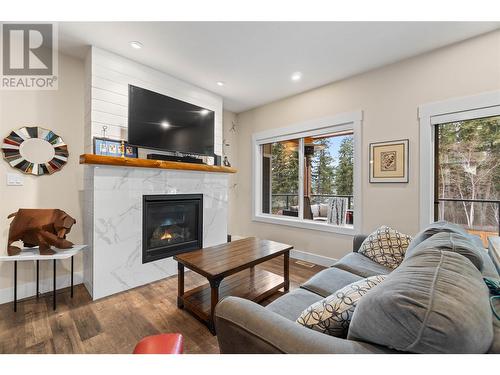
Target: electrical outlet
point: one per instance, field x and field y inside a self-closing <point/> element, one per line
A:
<point x="15" y="179"/>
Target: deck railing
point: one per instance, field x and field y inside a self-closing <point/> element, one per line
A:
<point x="497" y="202"/>
<point x="313" y="196"/>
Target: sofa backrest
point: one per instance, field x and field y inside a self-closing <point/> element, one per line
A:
<point x="434" y="302"/>
<point x="450" y="241"/>
<point x="440" y="227"/>
<point x="357" y="240"/>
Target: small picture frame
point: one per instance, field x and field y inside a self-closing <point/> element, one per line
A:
<point x="389" y="161"/>
<point x="111" y="147"/>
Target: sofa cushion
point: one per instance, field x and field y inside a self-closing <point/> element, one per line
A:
<point x="435" y="302"/>
<point x="489" y="269"/>
<point x="329" y="281"/>
<point x="385" y="246"/>
<point x="332" y="314"/>
<point x="360" y="265"/>
<point x="292" y="304"/>
<point x="453" y="242"/>
<point x="442" y="226"/>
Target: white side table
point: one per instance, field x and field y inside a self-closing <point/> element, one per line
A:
<point x="33" y="253"/>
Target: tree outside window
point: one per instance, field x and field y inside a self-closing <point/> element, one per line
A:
<point x="468" y="170"/>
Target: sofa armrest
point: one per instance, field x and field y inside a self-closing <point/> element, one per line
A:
<point x="357" y="241"/>
<point x="244" y="327"/>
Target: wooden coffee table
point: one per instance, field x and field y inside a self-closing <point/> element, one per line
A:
<point x="229" y="269"/>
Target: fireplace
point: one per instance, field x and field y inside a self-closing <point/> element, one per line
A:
<point x="171" y="224"/>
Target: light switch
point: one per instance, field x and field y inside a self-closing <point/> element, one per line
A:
<point x="15" y="179"/>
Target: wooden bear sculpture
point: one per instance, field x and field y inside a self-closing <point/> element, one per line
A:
<point x="40" y="227"/>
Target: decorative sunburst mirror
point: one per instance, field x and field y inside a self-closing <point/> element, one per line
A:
<point x="35" y="150"/>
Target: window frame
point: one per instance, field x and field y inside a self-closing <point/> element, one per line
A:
<point x="341" y="122"/>
<point x="457" y="109"/>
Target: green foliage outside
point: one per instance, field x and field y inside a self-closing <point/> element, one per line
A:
<point x="343" y="172"/>
<point x="323" y="170"/>
<point x="285" y="169"/>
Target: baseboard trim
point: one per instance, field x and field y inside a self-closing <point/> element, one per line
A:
<point x="236" y="237"/>
<point x="312" y="258"/>
<point x="303" y="255"/>
<point x="28" y="289"/>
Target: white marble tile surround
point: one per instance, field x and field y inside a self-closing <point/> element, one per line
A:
<point x="116" y="221"/>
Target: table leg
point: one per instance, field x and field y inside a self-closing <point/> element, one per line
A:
<point x="71" y="277"/>
<point x="54" y="292"/>
<point x="214" y="299"/>
<point x="15" y="285"/>
<point x="286" y="272"/>
<point x="180" y="285"/>
<point x="37" y="278"/>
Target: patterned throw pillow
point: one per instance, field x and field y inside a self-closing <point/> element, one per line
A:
<point x="386" y="246"/>
<point x="333" y="314"/>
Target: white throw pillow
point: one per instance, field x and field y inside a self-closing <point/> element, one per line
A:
<point x="385" y="246"/>
<point x="323" y="210"/>
<point x="315" y="210"/>
<point x="333" y="314"/>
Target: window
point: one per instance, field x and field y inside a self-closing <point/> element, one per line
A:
<point x="467" y="178"/>
<point x="306" y="175"/>
<point x="280" y="177"/>
<point x="460" y="163"/>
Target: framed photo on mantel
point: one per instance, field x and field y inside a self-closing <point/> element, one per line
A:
<point x="389" y="161"/>
<point x="111" y="147"/>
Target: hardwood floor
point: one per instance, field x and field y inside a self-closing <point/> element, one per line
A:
<point x="116" y="323"/>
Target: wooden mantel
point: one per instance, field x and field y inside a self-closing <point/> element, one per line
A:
<point x="148" y="163"/>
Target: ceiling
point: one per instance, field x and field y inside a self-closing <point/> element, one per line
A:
<point x="255" y="60"/>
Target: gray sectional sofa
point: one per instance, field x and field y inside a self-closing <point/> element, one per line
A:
<point x="434" y="302"/>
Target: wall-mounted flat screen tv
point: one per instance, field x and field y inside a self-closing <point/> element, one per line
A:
<point x="160" y="122"/>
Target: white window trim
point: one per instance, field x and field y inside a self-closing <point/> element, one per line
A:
<point x="344" y="121"/>
<point x="457" y="109"/>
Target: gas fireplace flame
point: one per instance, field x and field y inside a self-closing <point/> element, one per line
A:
<point x="166" y="236"/>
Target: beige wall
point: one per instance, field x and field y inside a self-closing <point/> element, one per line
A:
<point x="389" y="98"/>
<point x="230" y="149"/>
<point x="62" y="112"/>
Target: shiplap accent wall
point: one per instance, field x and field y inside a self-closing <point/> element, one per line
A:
<point x="107" y="102"/>
<point x="88" y="184"/>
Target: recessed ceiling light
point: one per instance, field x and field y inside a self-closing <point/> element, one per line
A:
<point x="136" y="45"/>
<point x="165" y="124"/>
<point x="220" y="83"/>
<point x="296" y="76"/>
<point x="204" y="112"/>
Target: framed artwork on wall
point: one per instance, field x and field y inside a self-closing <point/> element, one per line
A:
<point x="111" y="147"/>
<point x="389" y="161"/>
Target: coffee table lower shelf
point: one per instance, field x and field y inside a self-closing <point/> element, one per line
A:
<point x="253" y="284"/>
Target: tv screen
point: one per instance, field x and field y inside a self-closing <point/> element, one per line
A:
<point x="163" y="123"/>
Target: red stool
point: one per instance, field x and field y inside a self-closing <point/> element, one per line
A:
<point x="168" y="343"/>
